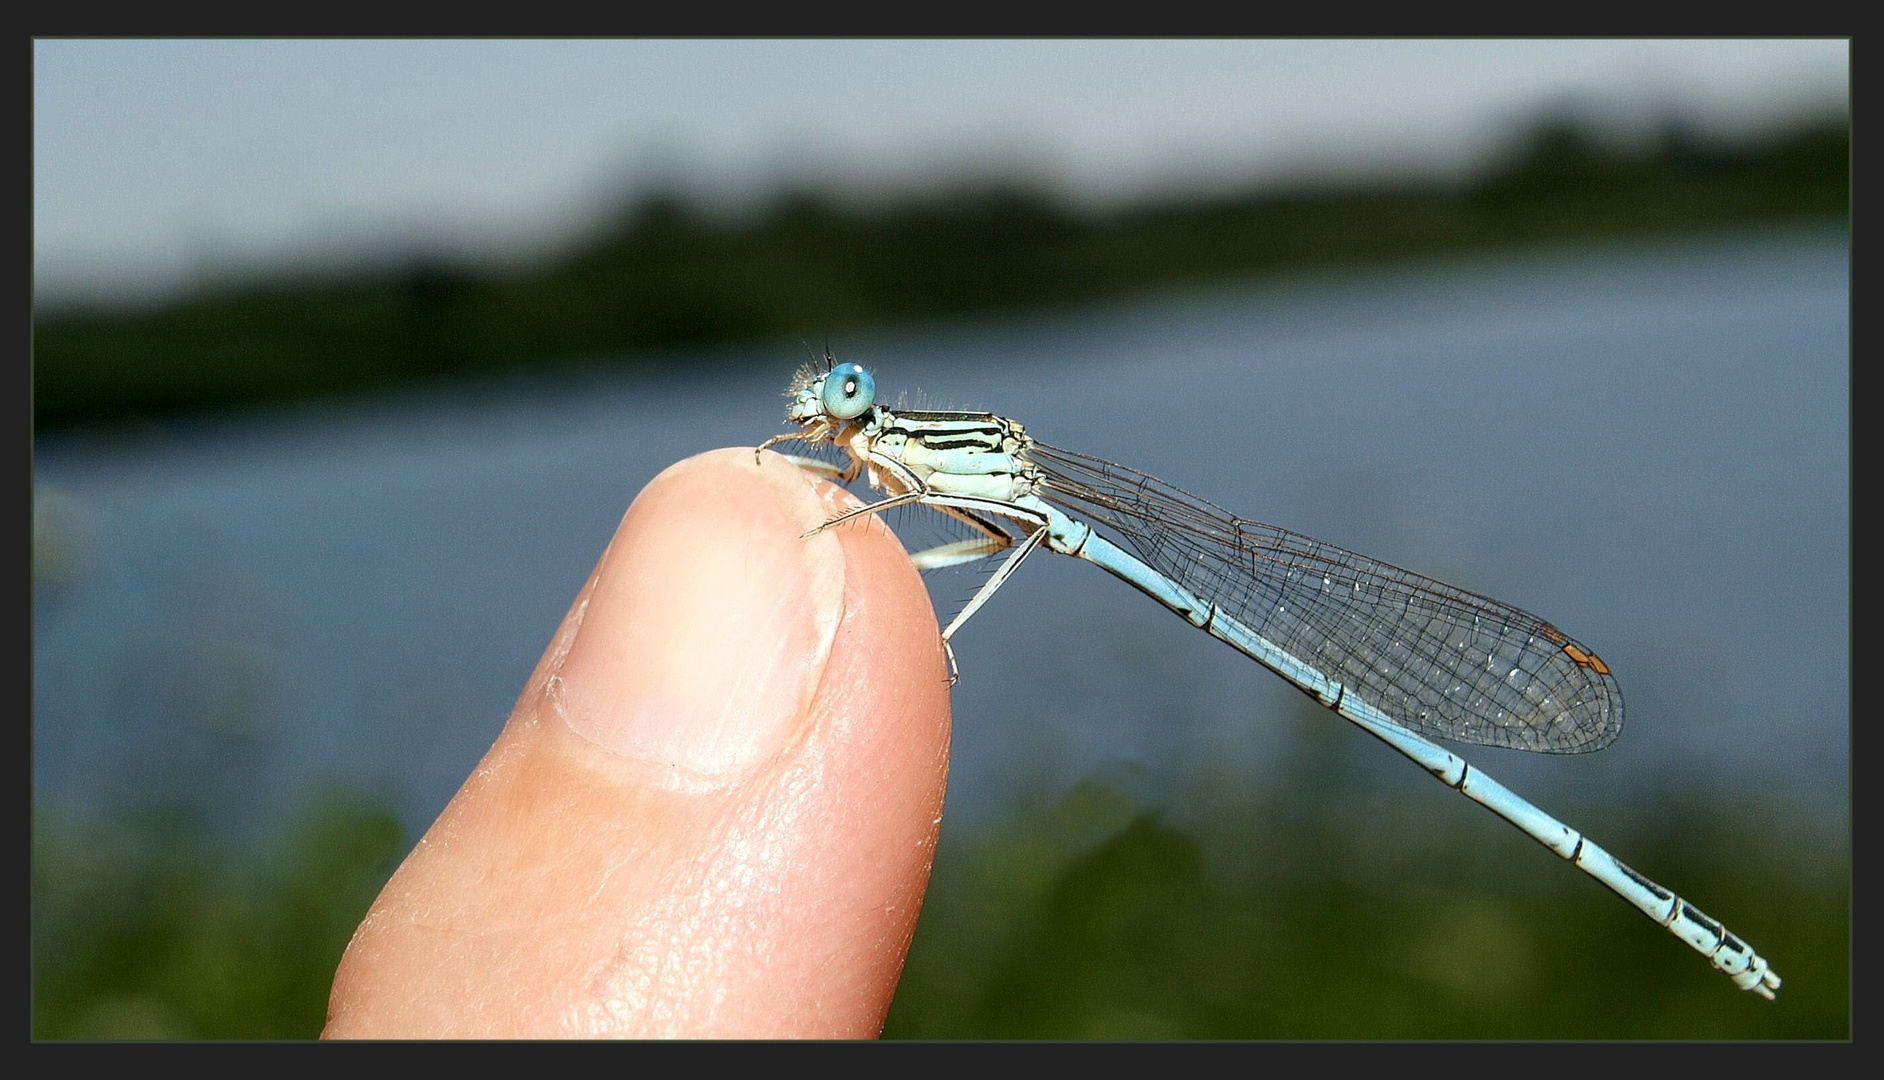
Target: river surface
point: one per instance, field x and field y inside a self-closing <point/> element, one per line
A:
<point x="1646" y="445"/>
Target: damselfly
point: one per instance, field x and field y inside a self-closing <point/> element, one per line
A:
<point x="1404" y="656"/>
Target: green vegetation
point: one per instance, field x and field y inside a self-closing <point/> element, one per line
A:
<point x="155" y="929"/>
<point x="1326" y="904"/>
<point x="668" y="275"/>
<point x="1356" y="913"/>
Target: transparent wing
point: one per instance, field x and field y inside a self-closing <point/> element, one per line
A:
<point x="1437" y="659"/>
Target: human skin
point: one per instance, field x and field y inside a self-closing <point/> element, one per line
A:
<point x="712" y="811"/>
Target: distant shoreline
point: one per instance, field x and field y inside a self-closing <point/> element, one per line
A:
<point x="668" y="275"/>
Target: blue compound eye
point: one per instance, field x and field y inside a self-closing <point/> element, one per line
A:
<point x="849" y="391"/>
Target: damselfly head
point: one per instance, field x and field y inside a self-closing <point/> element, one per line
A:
<point x="840" y="393"/>
<point x="804" y="385"/>
<point x="848" y="392"/>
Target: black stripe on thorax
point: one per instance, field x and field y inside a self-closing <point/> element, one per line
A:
<point x="939" y="416"/>
<point x="950" y="431"/>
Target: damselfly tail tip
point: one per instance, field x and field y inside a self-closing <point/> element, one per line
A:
<point x="1763" y="984"/>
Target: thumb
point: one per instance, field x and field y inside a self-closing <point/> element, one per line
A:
<point x="713" y="810"/>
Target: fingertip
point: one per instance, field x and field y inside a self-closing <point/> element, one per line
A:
<point x="709" y="622"/>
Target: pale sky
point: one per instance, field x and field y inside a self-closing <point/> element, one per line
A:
<point x="158" y="162"/>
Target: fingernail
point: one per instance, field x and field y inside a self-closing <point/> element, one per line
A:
<point x="710" y="622"/>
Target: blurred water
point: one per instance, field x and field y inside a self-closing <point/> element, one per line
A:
<point x="1647" y="445"/>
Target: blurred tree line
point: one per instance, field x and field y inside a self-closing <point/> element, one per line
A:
<point x="668" y="274"/>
